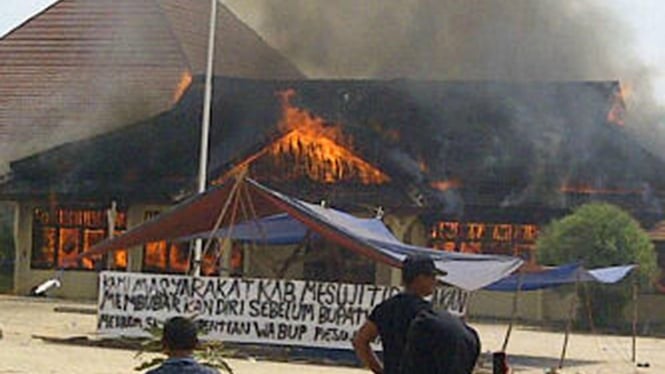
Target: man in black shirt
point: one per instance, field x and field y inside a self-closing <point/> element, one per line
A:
<point x="391" y="319"/>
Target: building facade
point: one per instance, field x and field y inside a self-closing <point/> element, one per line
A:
<point x="467" y="167"/>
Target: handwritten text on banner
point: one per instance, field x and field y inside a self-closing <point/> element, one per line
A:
<point x="270" y="311"/>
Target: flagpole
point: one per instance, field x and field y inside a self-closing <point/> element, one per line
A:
<point x="205" y="127"/>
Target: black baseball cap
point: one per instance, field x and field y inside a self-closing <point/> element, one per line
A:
<point x="419" y="264"/>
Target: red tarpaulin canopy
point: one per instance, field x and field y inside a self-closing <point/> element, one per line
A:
<point x="244" y="199"/>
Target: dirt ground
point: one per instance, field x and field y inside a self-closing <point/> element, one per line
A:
<point x="529" y="351"/>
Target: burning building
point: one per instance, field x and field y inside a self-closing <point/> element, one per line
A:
<point x="461" y="166"/>
<point x="84" y="67"/>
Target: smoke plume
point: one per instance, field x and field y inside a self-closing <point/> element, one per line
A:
<point x="508" y="40"/>
<point x="498" y="40"/>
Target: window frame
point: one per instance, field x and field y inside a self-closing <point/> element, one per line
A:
<point x="169" y="247"/>
<point x="54" y="222"/>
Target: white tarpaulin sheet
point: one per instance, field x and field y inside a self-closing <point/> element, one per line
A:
<point x="466" y="271"/>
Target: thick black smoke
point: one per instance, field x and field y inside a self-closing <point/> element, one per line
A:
<point x="446" y="39"/>
<point x="455" y="40"/>
<point x="497" y="40"/>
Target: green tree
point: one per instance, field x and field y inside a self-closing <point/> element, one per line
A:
<point x="598" y="235"/>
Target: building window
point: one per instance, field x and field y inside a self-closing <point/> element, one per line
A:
<point x="63" y="233"/>
<point x="164" y="257"/>
<point x="174" y="258"/>
<point x="211" y="260"/>
<point x="237" y="260"/>
<point x="481" y="237"/>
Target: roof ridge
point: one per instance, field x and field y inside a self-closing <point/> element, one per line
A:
<point x="175" y="35"/>
<point x="279" y="53"/>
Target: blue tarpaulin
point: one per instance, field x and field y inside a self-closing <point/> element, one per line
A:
<point x="464" y="270"/>
<point x="278" y="229"/>
<point x="197" y="216"/>
<point x="283" y="229"/>
<point x="560" y="275"/>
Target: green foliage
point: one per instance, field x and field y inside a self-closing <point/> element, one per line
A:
<point x="212" y="354"/>
<point x="598" y="235"/>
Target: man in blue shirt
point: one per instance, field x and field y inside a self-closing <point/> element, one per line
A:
<point x="179" y="341"/>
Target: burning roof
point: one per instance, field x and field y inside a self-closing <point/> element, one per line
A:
<point x="310" y="148"/>
<point x="431" y="143"/>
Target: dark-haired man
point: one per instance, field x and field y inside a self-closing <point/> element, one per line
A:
<point x="440" y="343"/>
<point x="391" y="319"/>
<point x="179" y="341"/>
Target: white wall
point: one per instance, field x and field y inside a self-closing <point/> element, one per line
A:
<point x="76" y="284"/>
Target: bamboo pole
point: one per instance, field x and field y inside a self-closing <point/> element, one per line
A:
<point x="635" y="316"/>
<point x="569" y="322"/>
<point x="589" y="312"/>
<point x="513" y="313"/>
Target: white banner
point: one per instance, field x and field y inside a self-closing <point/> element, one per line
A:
<point x="267" y="311"/>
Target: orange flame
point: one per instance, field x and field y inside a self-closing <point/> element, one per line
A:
<point x="183" y="84"/>
<point x="422" y="166"/>
<point x="626" y="92"/>
<point x="617" y="112"/>
<point x="446" y="185"/>
<point x="155" y="255"/>
<point x="120" y="259"/>
<point x="313" y="149"/>
<point x="178" y="258"/>
<point x="589" y="190"/>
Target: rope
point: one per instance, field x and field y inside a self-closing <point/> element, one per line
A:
<point x="222" y="214"/>
<point x="253" y="211"/>
<point x="227" y="238"/>
<point x="244" y="192"/>
<point x="294" y="255"/>
<point x="254" y="220"/>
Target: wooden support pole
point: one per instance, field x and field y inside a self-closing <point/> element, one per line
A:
<point x="111" y="216"/>
<point x="569" y="322"/>
<point x="513" y="313"/>
<point x="589" y="310"/>
<point x="635" y="316"/>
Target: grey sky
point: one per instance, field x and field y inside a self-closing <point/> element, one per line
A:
<point x="14" y="12"/>
<point x="644" y="17"/>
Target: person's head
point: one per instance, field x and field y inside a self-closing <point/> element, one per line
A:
<point x="180" y="336"/>
<point x="419" y="274"/>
